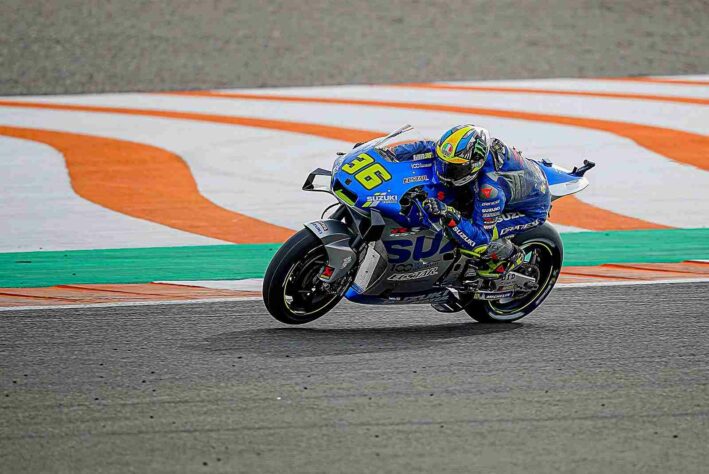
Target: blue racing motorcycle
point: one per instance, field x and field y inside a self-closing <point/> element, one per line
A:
<point x="379" y="246"/>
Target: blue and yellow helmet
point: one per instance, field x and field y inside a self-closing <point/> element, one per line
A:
<point x="461" y="154"/>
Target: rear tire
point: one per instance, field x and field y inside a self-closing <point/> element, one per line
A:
<point x="547" y="242"/>
<point x="293" y="271"/>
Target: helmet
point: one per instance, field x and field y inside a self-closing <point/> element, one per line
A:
<point x="461" y="154"/>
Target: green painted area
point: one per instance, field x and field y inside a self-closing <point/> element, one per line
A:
<point x="232" y="262"/>
<point x="142" y="265"/>
<point x="639" y="246"/>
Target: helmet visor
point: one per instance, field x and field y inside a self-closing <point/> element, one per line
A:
<point x="457" y="174"/>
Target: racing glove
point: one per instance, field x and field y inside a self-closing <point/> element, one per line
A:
<point x="437" y="209"/>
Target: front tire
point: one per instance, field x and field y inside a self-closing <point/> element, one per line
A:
<point x="292" y="291"/>
<point x="546" y="242"/>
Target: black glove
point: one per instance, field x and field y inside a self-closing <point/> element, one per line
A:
<point x="437" y="209"/>
<point x="434" y="207"/>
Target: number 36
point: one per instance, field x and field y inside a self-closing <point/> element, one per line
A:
<point x="369" y="174"/>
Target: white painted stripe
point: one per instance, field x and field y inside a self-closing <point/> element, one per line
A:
<point x="611" y="86"/>
<point x="41" y="211"/>
<point x="591" y="85"/>
<point x="132" y="303"/>
<point x="688" y="117"/>
<point x="257" y="298"/>
<point x="566" y="229"/>
<point x="633" y="283"/>
<point x="256" y="284"/>
<point x="247" y="284"/>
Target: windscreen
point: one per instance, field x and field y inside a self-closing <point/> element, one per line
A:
<point x="386" y="145"/>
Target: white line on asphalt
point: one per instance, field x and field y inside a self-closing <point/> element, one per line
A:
<point x="132" y="303"/>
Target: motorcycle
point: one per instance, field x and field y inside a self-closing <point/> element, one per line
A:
<point x="379" y="246"/>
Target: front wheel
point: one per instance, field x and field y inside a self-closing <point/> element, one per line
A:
<point x="292" y="290"/>
<point x="543" y="247"/>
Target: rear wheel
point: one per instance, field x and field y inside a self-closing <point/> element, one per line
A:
<point x="292" y="290"/>
<point x="543" y="256"/>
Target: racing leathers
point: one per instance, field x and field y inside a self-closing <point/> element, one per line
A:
<point x="509" y="195"/>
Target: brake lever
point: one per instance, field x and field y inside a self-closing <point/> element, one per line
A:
<point x="424" y="214"/>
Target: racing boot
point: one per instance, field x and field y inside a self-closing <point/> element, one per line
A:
<point x="501" y="257"/>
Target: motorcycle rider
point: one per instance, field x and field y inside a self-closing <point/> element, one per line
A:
<point x="488" y="193"/>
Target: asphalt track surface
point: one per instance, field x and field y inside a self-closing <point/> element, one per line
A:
<point x="604" y="379"/>
<point x="51" y="46"/>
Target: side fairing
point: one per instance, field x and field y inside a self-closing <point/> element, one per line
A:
<point x="403" y="267"/>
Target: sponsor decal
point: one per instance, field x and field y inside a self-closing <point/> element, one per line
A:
<point x="408" y="267"/>
<point x="422" y="156"/>
<point x="425" y="298"/>
<point x="493" y="296"/>
<point x="491" y="212"/>
<point x="377" y="198"/>
<point x="520" y="227"/>
<point x="320" y="227"/>
<point x="415" y="179"/>
<point x="510" y="215"/>
<point x="427" y="272"/>
<point x="346" y="261"/>
<point x="421" y="165"/>
<point x="463" y="236"/>
<point x="441" y="195"/>
<point x="403" y="231"/>
<point x="403" y="250"/>
<point x="488" y="192"/>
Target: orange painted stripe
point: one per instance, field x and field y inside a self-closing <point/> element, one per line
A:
<point x="592" y="272"/>
<point x="148" y="183"/>
<point x="676" y="268"/>
<point x="569" y="210"/>
<point x="522" y="90"/>
<point x="683" y="82"/>
<point x="686" y="147"/>
<point x="92" y="294"/>
<point x="8" y="293"/>
<point x="573" y="216"/>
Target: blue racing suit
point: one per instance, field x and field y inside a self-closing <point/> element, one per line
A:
<point x="509" y="195"/>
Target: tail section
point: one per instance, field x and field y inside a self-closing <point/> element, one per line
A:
<point x="563" y="182"/>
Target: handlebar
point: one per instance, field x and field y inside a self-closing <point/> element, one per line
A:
<point x="426" y="218"/>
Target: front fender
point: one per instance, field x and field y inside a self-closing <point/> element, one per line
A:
<point x="336" y="237"/>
